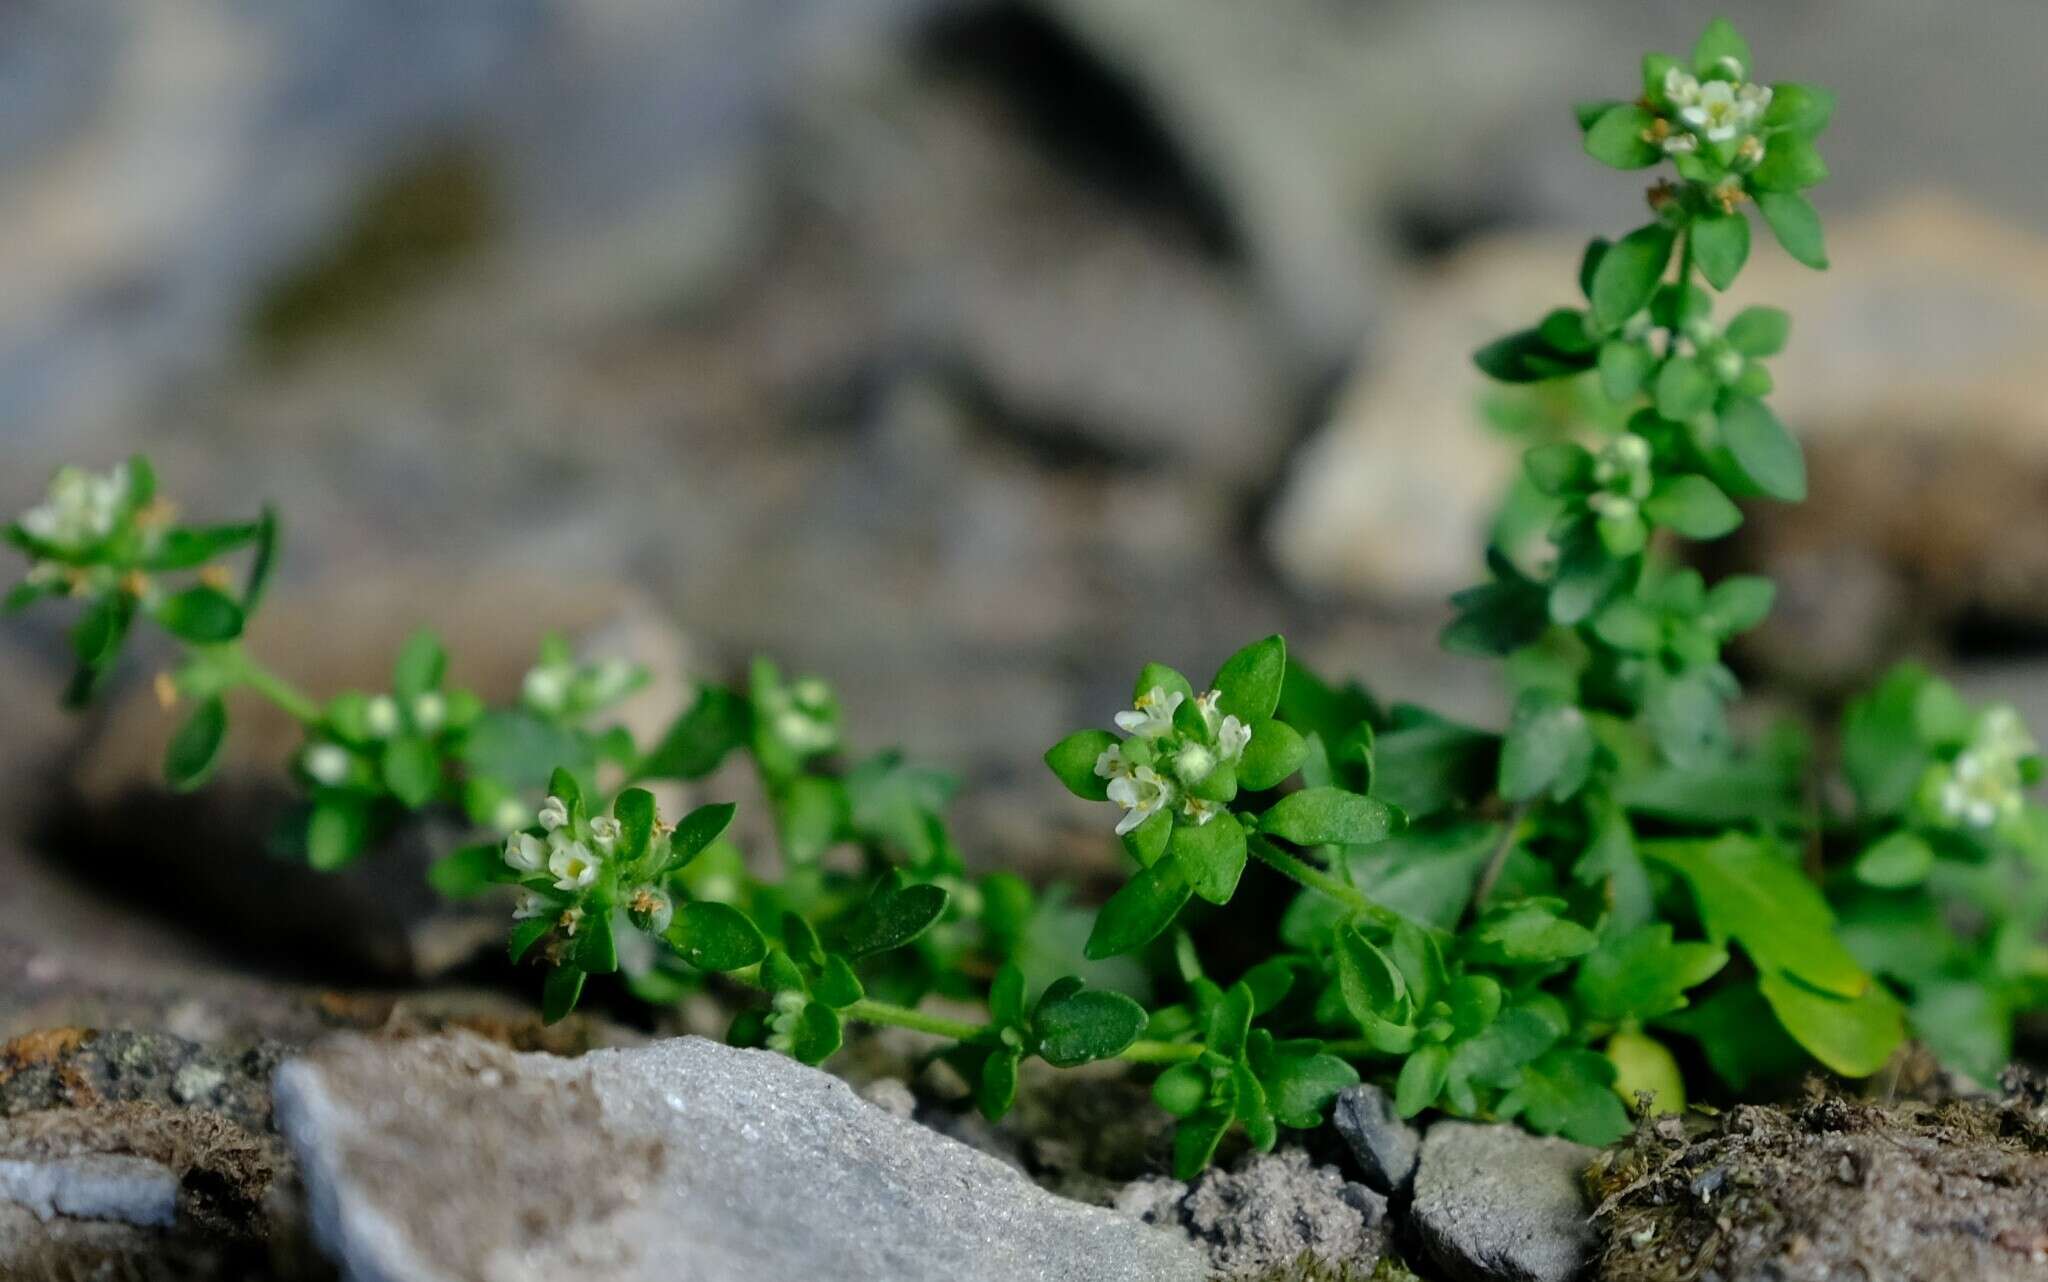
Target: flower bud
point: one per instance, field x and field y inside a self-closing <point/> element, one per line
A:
<point x="651" y="910"/>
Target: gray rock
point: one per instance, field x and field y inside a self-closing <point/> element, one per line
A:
<point x="687" y="1161"/>
<point x="1267" y="1214"/>
<point x="1496" y="1204"/>
<point x="1384" y="1145"/>
<point x="93" y="1186"/>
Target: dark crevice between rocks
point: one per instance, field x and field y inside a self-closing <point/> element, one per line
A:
<point x="1085" y="114"/>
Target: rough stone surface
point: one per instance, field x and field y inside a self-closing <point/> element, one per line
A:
<point x="1384" y="1145"/>
<point x="1496" y="1204"/>
<point x="1267" y="1214"/>
<point x="100" y="1186"/>
<point x="685" y="1161"/>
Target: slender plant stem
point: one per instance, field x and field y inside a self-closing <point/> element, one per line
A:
<point x="1498" y="860"/>
<point x="271" y="686"/>
<point x="1150" y="1052"/>
<point x="873" y="1012"/>
<point x="1305" y="874"/>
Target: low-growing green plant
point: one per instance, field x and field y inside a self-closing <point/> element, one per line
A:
<point x="1507" y="924"/>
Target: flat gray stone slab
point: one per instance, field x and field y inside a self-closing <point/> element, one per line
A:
<point x="1497" y="1204"/>
<point x="684" y="1161"/>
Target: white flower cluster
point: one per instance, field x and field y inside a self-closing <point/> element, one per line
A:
<point x="561" y="688"/>
<point x="1143" y="791"/>
<point x="1984" y="785"/>
<point x="560" y="854"/>
<point x="82" y="508"/>
<point x="1623" y="473"/>
<point x="803" y="715"/>
<point x="1714" y="110"/>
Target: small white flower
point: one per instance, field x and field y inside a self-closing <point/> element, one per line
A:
<point x="803" y="732"/>
<point x="1751" y="101"/>
<point x="380" y="717"/>
<point x="1681" y="144"/>
<point x="1205" y="703"/>
<point x="1231" y="737"/>
<point x="547" y="688"/>
<point x="2000" y="731"/>
<point x="1717" y="112"/>
<point x="429" y="710"/>
<point x="329" y="763"/>
<point x="570" y="921"/>
<point x="530" y="906"/>
<point x="1615" y="507"/>
<point x="553" y="814"/>
<point x="525" y="853"/>
<point x="604" y="833"/>
<point x="1731" y="65"/>
<point x="1681" y="90"/>
<point x="1142" y="794"/>
<point x="1728" y="365"/>
<point x="1201" y="811"/>
<point x="1152" y="715"/>
<point x="812" y="693"/>
<point x="81" y="507"/>
<point x="573" y="866"/>
<point x="1110" y="763"/>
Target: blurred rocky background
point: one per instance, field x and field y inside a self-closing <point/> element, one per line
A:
<point x="971" y="353"/>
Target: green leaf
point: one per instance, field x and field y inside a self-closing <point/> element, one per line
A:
<point x="195" y="748"/>
<point x="1147" y="842"/>
<point x="1759" y="331"/>
<point x="1562" y="467"/>
<point x="1230" y="1022"/>
<point x="1853" y="1036"/>
<point x="1721" y="40"/>
<point x="1276" y="750"/>
<point x="1763" y="449"/>
<point x="1720" y="245"/>
<point x="1596" y="248"/>
<point x="800" y="940"/>
<point x="1587" y="577"/>
<point x="1881" y="751"/>
<point x="634" y="811"/>
<point x="1628" y="274"/>
<point x="1748" y="894"/>
<point x="1570" y="1092"/>
<point x="1790" y="164"/>
<point x="412" y="771"/>
<point x="467" y="872"/>
<point x="697" y="830"/>
<point x="1896" y="862"/>
<point x="1137" y="913"/>
<point x="1373" y="988"/>
<point x="596" y="950"/>
<point x="201" y="615"/>
<point x="1737" y="604"/>
<point x="1549" y="746"/>
<point x="1091" y="1024"/>
<point x="1073" y="759"/>
<point x="1474" y="1001"/>
<point x="1421" y="1080"/>
<point x="1528" y="357"/>
<point x="185" y="547"/>
<point x="558" y="995"/>
<point x="818" y="1034"/>
<point x="1182" y="1089"/>
<point x="1195" y="1139"/>
<point x="809" y="813"/>
<point x="1804" y="109"/>
<point x="1616" y="139"/>
<point x="1793" y="221"/>
<point x="1641" y="974"/>
<point x="715" y="724"/>
<point x="1693" y="506"/>
<point x="102" y="628"/>
<point x="713" y="936"/>
<point x="1248" y="683"/>
<point x="836" y="985"/>
<point x="1006" y="996"/>
<point x="997" y="1088"/>
<point x="1333" y="816"/>
<point x="1301" y="1086"/>
<point x="892" y="917"/>
<point x="1686" y="718"/>
<point x="518" y="749"/>
<point x="421" y="664"/>
<point x="1684" y="388"/>
<point x="1157" y="676"/>
<point x="1211" y="856"/>
<point x="1527" y="933"/>
<point x="525" y="934"/>
<point x="335" y="832"/>
<point x="1624" y="367"/>
<point x="264" y="561"/>
<point x="1740" y="1036"/>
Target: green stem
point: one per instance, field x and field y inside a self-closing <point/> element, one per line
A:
<point x="873" y="1012"/>
<point x="243" y="668"/>
<point x="1684" y="278"/>
<point x="1149" y="1052"/>
<point x="1305" y="874"/>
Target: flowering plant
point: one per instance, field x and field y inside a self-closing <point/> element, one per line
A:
<point x="1544" y="923"/>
